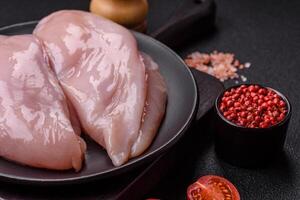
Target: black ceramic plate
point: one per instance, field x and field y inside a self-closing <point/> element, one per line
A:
<point x="181" y="109"/>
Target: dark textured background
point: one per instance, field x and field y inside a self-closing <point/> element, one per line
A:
<point x="263" y="32"/>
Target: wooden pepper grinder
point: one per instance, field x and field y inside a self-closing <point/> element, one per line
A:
<point x="129" y="13"/>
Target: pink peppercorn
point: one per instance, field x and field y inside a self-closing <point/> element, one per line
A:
<point x="253" y="106"/>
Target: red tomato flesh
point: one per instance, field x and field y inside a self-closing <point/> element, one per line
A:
<point x="212" y="188"/>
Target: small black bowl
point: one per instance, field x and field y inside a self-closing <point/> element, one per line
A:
<point x="249" y="147"/>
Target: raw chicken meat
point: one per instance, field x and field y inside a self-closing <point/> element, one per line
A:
<point x="100" y="69"/>
<point x="154" y="109"/>
<point x="35" y="128"/>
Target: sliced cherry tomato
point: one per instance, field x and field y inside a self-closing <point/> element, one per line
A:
<point x="212" y="188"/>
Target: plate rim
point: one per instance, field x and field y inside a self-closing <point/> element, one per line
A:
<point x="126" y="167"/>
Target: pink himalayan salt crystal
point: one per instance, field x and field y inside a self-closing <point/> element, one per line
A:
<point x="221" y="65"/>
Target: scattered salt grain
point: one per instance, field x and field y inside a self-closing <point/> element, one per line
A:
<point x="244" y="79"/>
<point x="247" y="64"/>
<point x="223" y="66"/>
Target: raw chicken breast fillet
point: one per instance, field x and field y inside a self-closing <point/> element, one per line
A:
<point x="35" y="128"/>
<point x="154" y="108"/>
<point x="99" y="67"/>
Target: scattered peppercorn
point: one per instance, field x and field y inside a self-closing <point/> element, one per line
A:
<point x="253" y="106"/>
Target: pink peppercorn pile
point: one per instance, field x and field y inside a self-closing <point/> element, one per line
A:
<point x="253" y="106"/>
